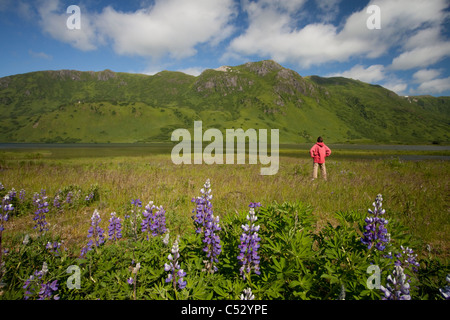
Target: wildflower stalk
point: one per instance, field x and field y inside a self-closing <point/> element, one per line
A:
<point x="248" y="255"/>
<point x="176" y="274"/>
<point x="375" y="234"/>
<point x="208" y="226"/>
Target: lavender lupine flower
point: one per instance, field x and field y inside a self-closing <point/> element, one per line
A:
<point x="22" y="195"/>
<point x="41" y="204"/>
<point x="397" y="287"/>
<point x="89" y="197"/>
<point x="409" y="261"/>
<point x="211" y="239"/>
<point x="115" y="227"/>
<point x="154" y="220"/>
<point x="4" y="215"/>
<point x="35" y="282"/>
<point x="248" y="255"/>
<point x="69" y="197"/>
<point x="54" y="248"/>
<point x="57" y="201"/>
<point x="445" y="292"/>
<point x="247" y="294"/>
<point x="207" y="224"/>
<point x="6" y="209"/>
<point x="203" y="206"/>
<point x="176" y="274"/>
<point x="376" y="233"/>
<point x="95" y="232"/>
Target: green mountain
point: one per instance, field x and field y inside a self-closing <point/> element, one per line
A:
<point x="68" y="106"/>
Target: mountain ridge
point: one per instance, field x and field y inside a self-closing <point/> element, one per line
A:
<point x="67" y="106"/>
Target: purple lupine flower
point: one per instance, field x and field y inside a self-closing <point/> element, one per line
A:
<point x="375" y="231"/>
<point x="35" y="282"/>
<point x="54" y="248"/>
<point x="203" y="206"/>
<point x="95" y="232"/>
<point x="176" y="274"/>
<point x="208" y="225"/>
<point x="89" y="197"/>
<point x="22" y="195"/>
<point x="247" y="294"/>
<point x="12" y="193"/>
<point x="5" y="211"/>
<point x="41" y="204"/>
<point x="147" y="222"/>
<point x="57" y="201"/>
<point x="397" y="288"/>
<point x="211" y="239"/>
<point x="2" y="187"/>
<point x="69" y="197"/>
<point x="154" y="220"/>
<point x="248" y="255"/>
<point x="445" y="292"/>
<point x="159" y="222"/>
<point x="115" y="227"/>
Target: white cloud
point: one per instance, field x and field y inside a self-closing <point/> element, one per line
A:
<point x="429" y="83"/>
<point x="40" y="55"/>
<point x="370" y="74"/>
<point x="421" y="56"/>
<point x="193" y="71"/>
<point x="169" y="27"/>
<point x="53" y="18"/>
<point x="272" y="32"/>
<point x="426" y="75"/>
<point x="397" y="86"/>
<point x="434" y="86"/>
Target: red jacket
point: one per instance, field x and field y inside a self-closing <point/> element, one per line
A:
<point x="319" y="151"/>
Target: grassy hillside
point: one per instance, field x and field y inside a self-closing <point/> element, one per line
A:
<point x="69" y="106"/>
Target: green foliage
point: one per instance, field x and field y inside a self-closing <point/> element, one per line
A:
<point x="69" y="106"/>
<point x="298" y="261"/>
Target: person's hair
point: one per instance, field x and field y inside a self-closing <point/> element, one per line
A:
<point x="319" y="139"/>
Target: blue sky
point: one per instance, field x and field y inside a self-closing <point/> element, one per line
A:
<point x="409" y="53"/>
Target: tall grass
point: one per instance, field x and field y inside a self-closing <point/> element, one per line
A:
<point x="414" y="192"/>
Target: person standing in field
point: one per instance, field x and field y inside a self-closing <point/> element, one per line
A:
<point x="319" y="152"/>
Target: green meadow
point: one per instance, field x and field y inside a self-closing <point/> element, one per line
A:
<point x="414" y="192"/>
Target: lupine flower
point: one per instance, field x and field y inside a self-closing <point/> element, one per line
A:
<point x="154" y="220"/>
<point x="54" y="248"/>
<point x="397" y="288"/>
<point x="212" y="242"/>
<point x="248" y="255"/>
<point x="22" y="195"/>
<point x="445" y="292"/>
<point x="208" y="224"/>
<point x="69" y="197"/>
<point x="89" y="197"/>
<point x="95" y="232"/>
<point x="35" y="282"/>
<point x="176" y="274"/>
<point x="407" y="260"/>
<point x="41" y="204"/>
<point x="247" y="294"/>
<point x="376" y="234"/>
<point x="7" y="207"/>
<point x="115" y="227"/>
<point x="57" y="201"/>
<point x="203" y="206"/>
<point x="1" y="186"/>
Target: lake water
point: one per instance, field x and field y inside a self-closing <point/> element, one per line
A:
<point x="339" y="151"/>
